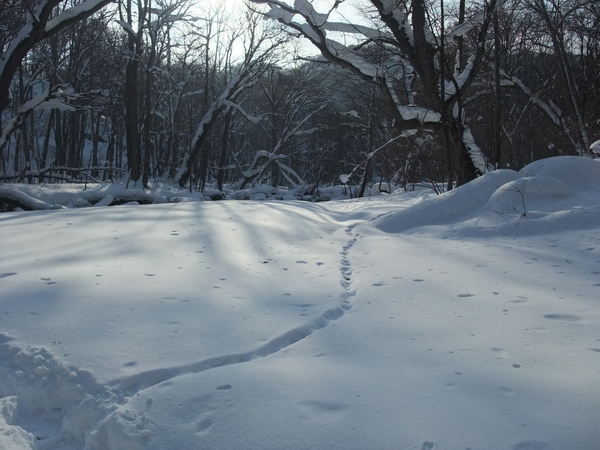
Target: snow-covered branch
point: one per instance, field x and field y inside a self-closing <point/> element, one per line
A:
<point x="35" y="30"/>
<point x="345" y="178"/>
<point x="74" y="14"/>
<point x="477" y="156"/>
<point x="22" y="112"/>
<point x="237" y="107"/>
<point x="414" y="113"/>
<point x="242" y="80"/>
<point x="256" y="170"/>
<point x="550" y="108"/>
<point x="303" y="18"/>
<point x="475" y="21"/>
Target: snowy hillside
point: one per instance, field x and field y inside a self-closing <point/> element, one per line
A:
<point x="408" y="321"/>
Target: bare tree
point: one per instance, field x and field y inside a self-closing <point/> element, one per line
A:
<point x="40" y="24"/>
<point x="260" y="52"/>
<point x="558" y="17"/>
<point x="422" y="49"/>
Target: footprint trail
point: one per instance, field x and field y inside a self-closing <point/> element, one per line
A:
<point x="144" y="380"/>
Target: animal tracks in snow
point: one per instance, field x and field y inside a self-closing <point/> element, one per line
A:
<point x="57" y="400"/>
<point x="464" y="328"/>
<point x="91" y="408"/>
<point x="133" y="384"/>
<point x="7" y="274"/>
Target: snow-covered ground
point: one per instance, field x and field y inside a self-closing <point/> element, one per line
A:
<point x="408" y="321"/>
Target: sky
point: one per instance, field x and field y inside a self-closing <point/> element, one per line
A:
<point x="347" y="11"/>
<point x="400" y="321"/>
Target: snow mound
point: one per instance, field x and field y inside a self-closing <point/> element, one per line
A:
<point x="516" y="196"/>
<point x="546" y="193"/>
<point x="462" y="202"/>
<point x="16" y="198"/>
<point x="11" y="435"/>
<point x="40" y="395"/>
<point x="576" y="172"/>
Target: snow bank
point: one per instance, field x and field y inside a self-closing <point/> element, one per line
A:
<point x="267" y="325"/>
<point x="462" y="202"/>
<point x="15" y="198"/>
<point x="36" y="384"/>
<point x="11" y="435"/>
<point x="73" y="195"/>
<point x="523" y="193"/>
<point x="545" y="194"/>
<point x="579" y="173"/>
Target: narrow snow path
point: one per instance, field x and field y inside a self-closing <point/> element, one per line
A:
<point x="250" y="244"/>
<point x="132" y="385"/>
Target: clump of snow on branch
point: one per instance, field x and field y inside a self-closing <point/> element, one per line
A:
<point x="477" y="156"/>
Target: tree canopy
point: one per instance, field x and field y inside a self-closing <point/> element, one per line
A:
<point x="402" y="91"/>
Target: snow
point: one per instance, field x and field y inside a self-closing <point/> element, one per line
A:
<point x="393" y="322"/>
<point x="70" y="13"/>
<point x="306" y="9"/>
<point x="471" y="23"/>
<point x="126" y="26"/>
<point x="460" y="79"/>
<point x="56" y="103"/>
<point x="476" y="154"/>
<point x="344" y="178"/>
<point x="22" y="198"/>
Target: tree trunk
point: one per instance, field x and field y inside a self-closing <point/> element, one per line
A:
<point x="131" y="95"/>
<point x="95" y="138"/>
<point x="363" y="185"/>
<point x="464" y="169"/>
<point x="147" y="129"/>
<point x="132" y="134"/>
<point x="196" y="150"/>
<point x="224" y="150"/>
<point x="497" y="103"/>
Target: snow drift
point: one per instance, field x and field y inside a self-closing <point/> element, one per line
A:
<point x="381" y="323"/>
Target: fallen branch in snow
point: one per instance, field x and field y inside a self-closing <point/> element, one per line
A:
<point x="119" y="197"/>
<point x="11" y="199"/>
<point x="75" y="174"/>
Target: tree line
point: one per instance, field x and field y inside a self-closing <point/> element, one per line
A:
<point x="397" y="92"/>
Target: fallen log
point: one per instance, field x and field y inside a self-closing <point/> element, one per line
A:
<point x="11" y="199"/>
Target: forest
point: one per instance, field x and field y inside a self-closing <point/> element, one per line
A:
<point x="206" y="95"/>
<point x="367" y="312"/>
